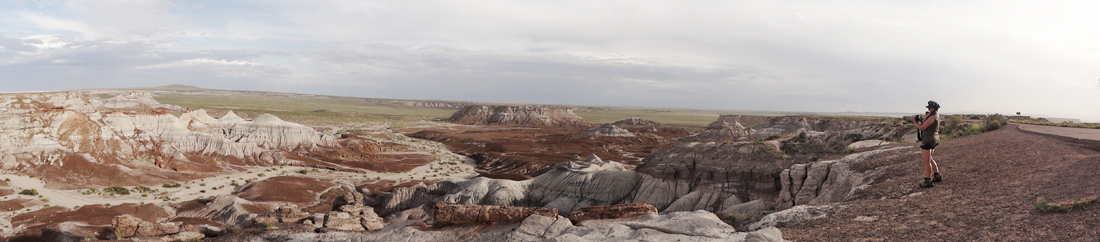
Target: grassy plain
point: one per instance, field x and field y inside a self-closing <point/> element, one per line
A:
<point x="309" y="111"/>
<point x="338" y="111"/>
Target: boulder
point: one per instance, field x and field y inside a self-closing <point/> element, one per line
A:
<point x="352" y="198"/>
<point x="866" y="143"/>
<point x="370" y="220"/>
<point x="455" y="214"/>
<point x="343" y="221"/>
<point x="158" y="229"/>
<point x="290" y="213"/>
<point x="794" y="214"/>
<point x="539" y="228"/>
<point x="179" y="237"/>
<point x="318" y="220"/>
<point x="611" y="212"/>
<point x="125" y="225"/>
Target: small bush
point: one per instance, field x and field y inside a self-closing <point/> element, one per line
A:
<point x="144" y="189"/>
<point x="90" y="191"/>
<point x="7" y="179"/>
<point x="1061" y="207"/>
<point x="116" y="190"/>
<point x="171" y="185"/>
<point x="260" y="175"/>
<point x="993" y="125"/>
<point x="29" y="192"/>
<point x="202" y="191"/>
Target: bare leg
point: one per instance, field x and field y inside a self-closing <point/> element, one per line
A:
<point x="935" y="167"/>
<point x="926" y="158"/>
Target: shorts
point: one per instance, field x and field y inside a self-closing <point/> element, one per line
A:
<point x="927" y="146"/>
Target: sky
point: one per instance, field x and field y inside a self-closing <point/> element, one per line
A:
<point x="1040" y="58"/>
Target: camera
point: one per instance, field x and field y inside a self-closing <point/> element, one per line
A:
<point x="918" y="118"/>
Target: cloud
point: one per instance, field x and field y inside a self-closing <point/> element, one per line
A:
<point x="977" y="56"/>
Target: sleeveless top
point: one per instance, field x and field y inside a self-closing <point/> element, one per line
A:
<point x="932" y="133"/>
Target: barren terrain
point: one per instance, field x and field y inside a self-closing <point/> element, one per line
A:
<point x="991" y="184"/>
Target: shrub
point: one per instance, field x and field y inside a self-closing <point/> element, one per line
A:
<point x="29" y="192"/>
<point x="171" y="185"/>
<point x="260" y="175"/>
<point x="1061" y="207"/>
<point x="993" y="125"/>
<point x="7" y="179"/>
<point x="116" y="190"/>
<point x="90" y="191"/>
<point x="994" y="122"/>
<point x="143" y="189"/>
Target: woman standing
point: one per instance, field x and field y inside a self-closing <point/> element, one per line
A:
<point x="930" y="130"/>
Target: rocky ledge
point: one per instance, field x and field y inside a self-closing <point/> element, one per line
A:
<point x="527" y="116"/>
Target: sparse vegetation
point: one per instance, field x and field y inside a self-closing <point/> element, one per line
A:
<point x="90" y="191"/>
<point x="116" y="190"/>
<point x="143" y="189"/>
<point x="342" y="110"/>
<point x="171" y="185"/>
<point x="1062" y="124"/>
<point x="29" y="192"/>
<point x="1044" y="206"/>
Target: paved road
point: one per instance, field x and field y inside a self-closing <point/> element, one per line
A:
<point x="1076" y="135"/>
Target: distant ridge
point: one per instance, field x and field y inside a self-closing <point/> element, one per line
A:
<point x="178" y="87"/>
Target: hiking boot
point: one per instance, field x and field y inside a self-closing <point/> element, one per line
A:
<point x="927" y="183"/>
<point x="936" y="177"/>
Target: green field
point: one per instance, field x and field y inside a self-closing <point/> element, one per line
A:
<point x="309" y="111"/>
<point x="342" y="111"/>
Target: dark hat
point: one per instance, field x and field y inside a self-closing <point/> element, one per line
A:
<point x="933" y="104"/>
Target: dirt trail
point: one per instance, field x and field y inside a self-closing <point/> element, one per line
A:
<point x="991" y="185"/>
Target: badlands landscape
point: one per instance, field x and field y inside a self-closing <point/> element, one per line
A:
<point x="180" y="163"/>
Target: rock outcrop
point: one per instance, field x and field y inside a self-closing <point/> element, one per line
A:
<point x="710" y="176"/>
<point x="289" y="213"/>
<point x="455" y="214"/>
<point x="635" y="121"/>
<point x="675" y="226"/>
<point x="228" y="209"/>
<point x="527" y="116"/>
<point x="726" y="128"/>
<point x="607" y="130"/>
<point x="125" y="225"/>
<point x="68" y="130"/>
<point x="828" y="181"/>
<point x="611" y="212"/>
<point x="128" y="225"/>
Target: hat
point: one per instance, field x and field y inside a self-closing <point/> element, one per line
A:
<point x="933" y="104"/>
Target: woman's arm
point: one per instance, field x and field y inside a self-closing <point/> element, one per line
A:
<point x="927" y="122"/>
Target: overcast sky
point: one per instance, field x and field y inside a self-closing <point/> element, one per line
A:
<point x="1035" y="57"/>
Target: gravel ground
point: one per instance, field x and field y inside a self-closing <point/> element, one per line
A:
<point x="992" y="182"/>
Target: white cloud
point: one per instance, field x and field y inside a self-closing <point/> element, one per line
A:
<point x="807" y="56"/>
